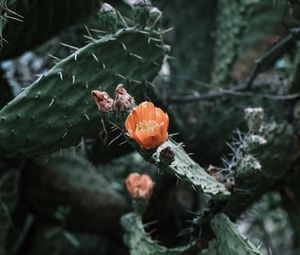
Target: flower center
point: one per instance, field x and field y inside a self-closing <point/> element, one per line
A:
<point x="147" y="125"/>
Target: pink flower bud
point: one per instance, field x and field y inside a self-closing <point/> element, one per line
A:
<point x="123" y="101"/>
<point x="103" y="100"/>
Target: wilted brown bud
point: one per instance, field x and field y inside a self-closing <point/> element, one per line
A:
<point x="215" y="172"/>
<point x="167" y="155"/>
<point x="139" y="186"/>
<point x="103" y="100"/>
<point x="123" y="101"/>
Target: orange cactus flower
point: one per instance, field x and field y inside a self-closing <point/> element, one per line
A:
<point x="139" y="186"/>
<point x="147" y="125"/>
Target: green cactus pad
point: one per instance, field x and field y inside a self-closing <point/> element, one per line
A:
<point x="56" y="111"/>
<point x="139" y="242"/>
<point x="68" y="179"/>
<point x="229" y="240"/>
<point x="232" y="19"/>
<point x="181" y="165"/>
<point x="256" y="175"/>
<point x="188" y="170"/>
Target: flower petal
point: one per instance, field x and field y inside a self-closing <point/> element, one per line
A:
<point x="129" y="123"/>
<point x="153" y="125"/>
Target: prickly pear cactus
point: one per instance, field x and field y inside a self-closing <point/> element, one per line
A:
<point x="229" y="241"/>
<point x="184" y="168"/>
<point x="255" y="174"/>
<point x="232" y="18"/>
<point x="139" y="242"/>
<point x="68" y="179"/>
<point x="59" y="199"/>
<point x="182" y="165"/>
<point x="65" y="113"/>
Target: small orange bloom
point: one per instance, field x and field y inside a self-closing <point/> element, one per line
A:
<point x="147" y="125"/>
<point x="139" y="186"/>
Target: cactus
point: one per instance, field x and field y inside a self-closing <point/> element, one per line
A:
<point x="65" y="113"/>
<point x="139" y="242"/>
<point x="70" y="180"/>
<point x="255" y="175"/>
<point x="182" y="166"/>
<point x="229" y="241"/>
<point x="231" y="20"/>
<point x="219" y="126"/>
<point x="66" y="183"/>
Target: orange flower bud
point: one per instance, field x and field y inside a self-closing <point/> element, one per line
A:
<point x="139" y="186"/>
<point x="123" y="101"/>
<point x="103" y="100"/>
<point x="147" y="125"/>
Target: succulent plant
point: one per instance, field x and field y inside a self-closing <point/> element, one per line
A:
<point x="89" y="158"/>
